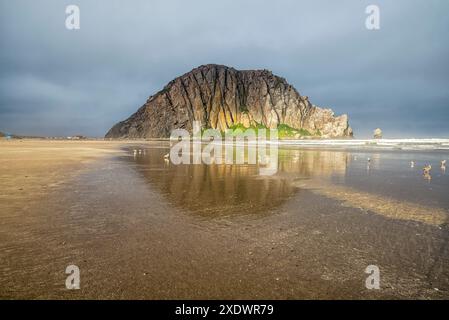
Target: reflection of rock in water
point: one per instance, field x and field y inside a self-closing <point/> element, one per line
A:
<point x="313" y="164"/>
<point x="214" y="189"/>
<point x="236" y="189"/>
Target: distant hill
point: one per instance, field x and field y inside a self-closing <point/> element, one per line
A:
<point x="13" y="136"/>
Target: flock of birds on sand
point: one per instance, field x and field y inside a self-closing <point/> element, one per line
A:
<point x="137" y="152"/>
<point x="167" y="156"/>
<point x="426" y="169"/>
<point x="142" y="152"/>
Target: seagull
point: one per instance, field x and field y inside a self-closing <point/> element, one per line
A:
<point x="427" y="175"/>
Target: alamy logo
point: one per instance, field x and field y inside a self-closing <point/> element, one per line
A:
<point x="372" y="22"/>
<point x="73" y="280"/>
<point x="72" y="21"/>
<point x="234" y="147"/>
<point x="373" y="280"/>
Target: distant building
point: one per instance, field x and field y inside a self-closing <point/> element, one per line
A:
<point x="78" y="137"/>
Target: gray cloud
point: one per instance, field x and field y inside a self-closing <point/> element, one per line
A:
<point x="59" y="82"/>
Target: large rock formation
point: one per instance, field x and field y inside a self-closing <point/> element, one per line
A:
<point x="221" y="97"/>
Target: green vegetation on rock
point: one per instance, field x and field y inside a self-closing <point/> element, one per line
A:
<point x="284" y="130"/>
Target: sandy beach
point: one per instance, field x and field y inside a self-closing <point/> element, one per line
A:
<point x="140" y="228"/>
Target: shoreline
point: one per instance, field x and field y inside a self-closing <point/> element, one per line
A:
<point x="405" y="144"/>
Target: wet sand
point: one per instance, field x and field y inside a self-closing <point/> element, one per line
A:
<point x="29" y="169"/>
<point x="138" y="227"/>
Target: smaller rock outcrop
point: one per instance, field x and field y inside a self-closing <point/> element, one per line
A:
<point x="377" y="133"/>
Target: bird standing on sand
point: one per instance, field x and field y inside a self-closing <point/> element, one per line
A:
<point x="426" y="172"/>
<point x="368" y="165"/>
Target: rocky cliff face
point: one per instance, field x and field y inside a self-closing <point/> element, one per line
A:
<point x="221" y="97"/>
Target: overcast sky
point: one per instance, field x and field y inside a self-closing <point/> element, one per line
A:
<point x="55" y="81"/>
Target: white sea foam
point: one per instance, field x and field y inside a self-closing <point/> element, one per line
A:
<point x="400" y="144"/>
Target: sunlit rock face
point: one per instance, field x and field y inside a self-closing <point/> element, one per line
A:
<point x="220" y="97"/>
